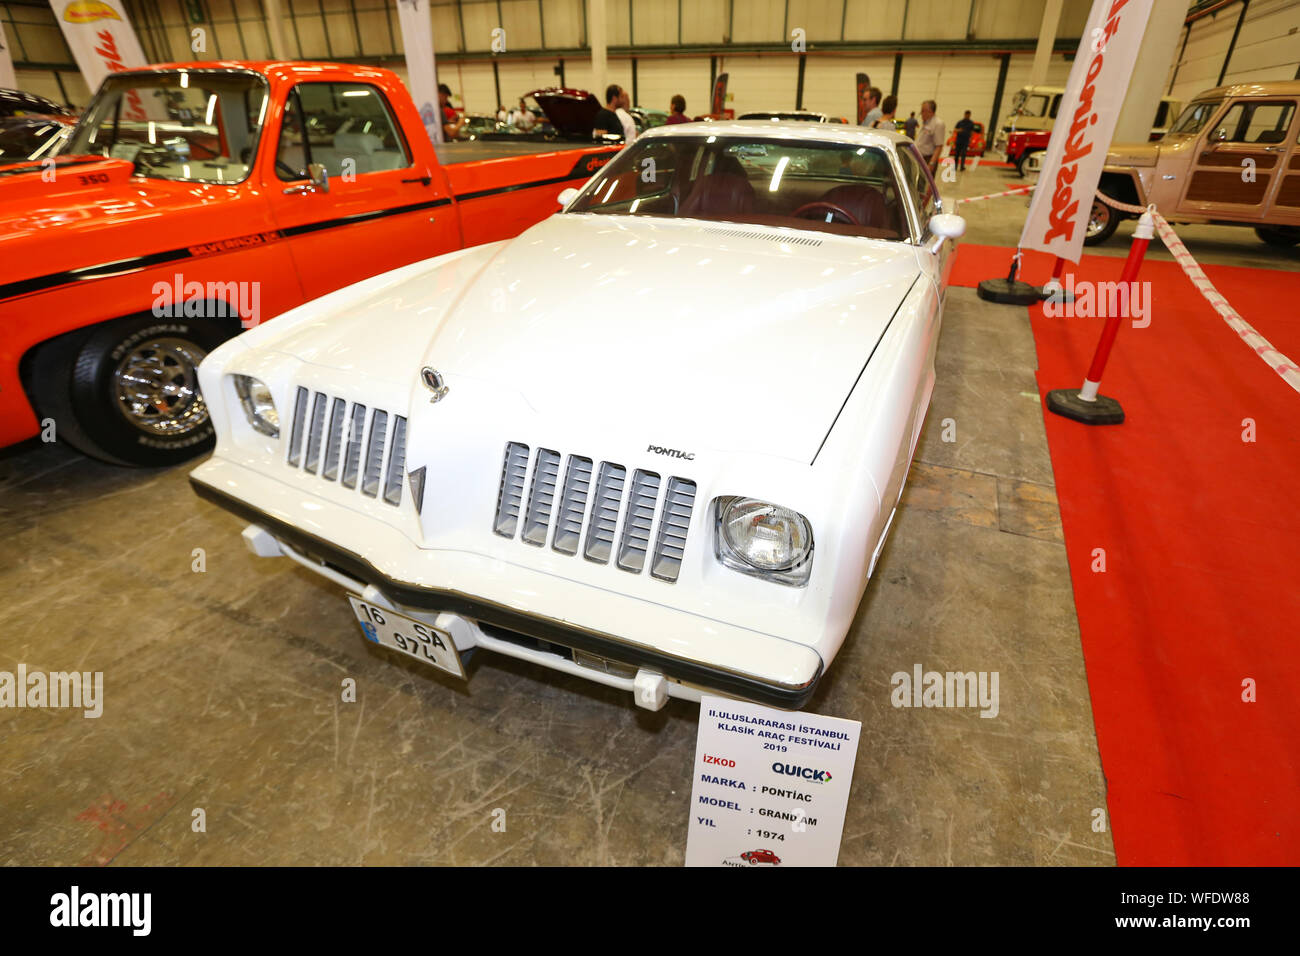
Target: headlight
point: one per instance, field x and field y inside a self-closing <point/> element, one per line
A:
<point x="763" y="539"/>
<point x="259" y="406"/>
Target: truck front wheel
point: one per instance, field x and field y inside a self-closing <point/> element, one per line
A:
<point x="127" y="392"/>
<point x="1102" y="223"/>
<point x="1023" y="164"/>
<point x="1279" y="235"/>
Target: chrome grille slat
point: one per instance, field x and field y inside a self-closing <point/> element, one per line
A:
<point x="396" y="463"/>
<point x="674" y="523"/>
<point x="635" y="540"/>
<point x="295" y="434"/>
<point x="374" y="453"/>
<point x="605" y="507"/>
<point x="573" y="505"/>
<point x="352" y="457"/>
<point x="511" y="495"/>
<point x="314" y="433"/>
<point x="541" y="497"/>
<point x="330" y="471"/>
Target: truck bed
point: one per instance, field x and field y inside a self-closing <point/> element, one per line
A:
<point x="449" y="154"/>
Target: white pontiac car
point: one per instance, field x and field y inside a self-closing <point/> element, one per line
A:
<point x="657" y="440"/>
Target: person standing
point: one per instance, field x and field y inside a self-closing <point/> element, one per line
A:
<point x="930" y="135"/>
<point x="887" y="110"/>
<point x="452" y="121"/>
<point x="873" y="107"/>
<point x="523" y="118"/>
<point x="624" y="117"/>
<point x="678" y="114"/>
<point x="909" y="127"/>
<point x="607" y="120"/>
<point x="965" y="127"/>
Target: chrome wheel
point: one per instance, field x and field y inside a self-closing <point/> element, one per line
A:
<point x="157" y="387"/>
<point x="1099" y="218"/>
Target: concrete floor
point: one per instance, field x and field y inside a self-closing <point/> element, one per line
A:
<point x="223" y="687"/>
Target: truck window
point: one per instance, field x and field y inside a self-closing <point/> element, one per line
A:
<point x="1255" y="122"/>
<point x="189" y="125"/>
<point x="1196" y="116"/>
<point x="347" y="127"/>
<point x="1056" y="104"/>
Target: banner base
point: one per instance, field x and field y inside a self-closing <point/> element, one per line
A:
<point x="1100" y="411"/>
<point x="1009" y="292"/>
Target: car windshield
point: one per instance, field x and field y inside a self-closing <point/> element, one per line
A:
<point x="829" y="187"/>
<point x="188" y="125"/>
<point x="1195" y="116"/>
<point x="778" y="117"/>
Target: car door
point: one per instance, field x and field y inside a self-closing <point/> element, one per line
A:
<point x="379" y="208"/>
<point x="925" y="195"/>
<point x="1239" y="160"/>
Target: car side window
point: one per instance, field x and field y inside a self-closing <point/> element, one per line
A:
<point x="916" y="178"/>
<point x="1249" y="122"/>
<point x="346" y="127"/>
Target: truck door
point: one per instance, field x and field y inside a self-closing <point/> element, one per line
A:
<point x="378" y="210"/>
<point x="1240" y="159"/>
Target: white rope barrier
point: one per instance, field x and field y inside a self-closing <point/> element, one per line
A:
<point x="1287" y="369"/>
<point x="1006" y="192"/>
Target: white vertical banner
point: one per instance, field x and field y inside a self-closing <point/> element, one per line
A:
<point x="102" y="42"/>
<point x="7" y="78"/>
<point x="421" y="66"/>
<point x="1085" y="123"/>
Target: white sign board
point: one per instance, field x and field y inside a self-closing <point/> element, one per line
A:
<point x="102" y="42"/>
<point x="1085" y="123"/>
<point x="770" y="787"/>
<point x="7" y="78"/>
<point x="421" y="67"/>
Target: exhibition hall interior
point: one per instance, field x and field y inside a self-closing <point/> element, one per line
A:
<point x="591" y="433"/>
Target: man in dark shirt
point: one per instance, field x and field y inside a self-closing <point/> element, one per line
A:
<point x="607" y="120"/>
<point x="964" y="128"/>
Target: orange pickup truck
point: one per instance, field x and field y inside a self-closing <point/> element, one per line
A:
<point x="194" y="200"/>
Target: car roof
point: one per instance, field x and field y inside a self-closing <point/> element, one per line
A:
<point x="839" y="133"/>
<point x="1275" y="88"/>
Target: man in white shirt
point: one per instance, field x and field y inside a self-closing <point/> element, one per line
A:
<point x="624" y="117"/>
<point x="522" y="118"/>
<point x="930" y="135"/>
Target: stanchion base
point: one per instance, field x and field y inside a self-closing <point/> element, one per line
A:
<point x="1009" y="292"/>
<point x="1102" y="411"/>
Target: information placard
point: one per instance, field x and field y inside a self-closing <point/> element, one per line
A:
<point x="770" y="787"/>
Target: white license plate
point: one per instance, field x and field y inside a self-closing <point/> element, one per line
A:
<point x="407" y="635"/>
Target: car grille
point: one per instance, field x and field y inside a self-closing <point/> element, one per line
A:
<point x="558" y="501"/>
<point x="330" y="438"/>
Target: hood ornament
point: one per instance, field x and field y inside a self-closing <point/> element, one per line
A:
<point x="434" y="381"/>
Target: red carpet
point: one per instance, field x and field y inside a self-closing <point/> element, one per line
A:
<point x="1201" y="589"/>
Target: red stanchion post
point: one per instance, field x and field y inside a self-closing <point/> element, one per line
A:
<point x="1085" y="405"/>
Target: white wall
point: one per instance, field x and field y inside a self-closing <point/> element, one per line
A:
<point x="1268" y="47"/>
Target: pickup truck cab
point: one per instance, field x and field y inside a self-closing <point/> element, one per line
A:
<point x="1035" y="108"/>
<point x="1230" y="159"/>
<point x="196" y="200"/>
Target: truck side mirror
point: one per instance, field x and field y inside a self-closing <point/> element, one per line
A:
<point x="319" y="176"/>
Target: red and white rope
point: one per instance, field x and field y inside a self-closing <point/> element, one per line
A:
<point x="1006" y="192"/>
<point x="1261" y="346"/>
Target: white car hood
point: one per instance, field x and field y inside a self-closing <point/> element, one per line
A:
<point x="685" y="333"/>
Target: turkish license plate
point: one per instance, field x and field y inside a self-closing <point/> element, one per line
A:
<point x="407" y="635"/>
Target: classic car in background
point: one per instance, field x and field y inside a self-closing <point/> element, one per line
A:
<point x="668" y="465"/>
<point x="1035" y="108"/>
<point x="1195" y="174"/>
<point x="193" y="200"/>
<point x="18" y="103"/>
<point x="1024" y="149"/>
<point x="787" y="116"/>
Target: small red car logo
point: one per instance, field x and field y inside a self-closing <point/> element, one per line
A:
<point x="760" y="856"/>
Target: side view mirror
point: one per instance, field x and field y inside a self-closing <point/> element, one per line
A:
<point x="1220" y="135"/>
<point x="567" y="196"/>
<point x="944" y="226"/>
<point x="319" y="176"/>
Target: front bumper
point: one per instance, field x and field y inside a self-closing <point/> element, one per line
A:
<point x="682" y="646"/>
